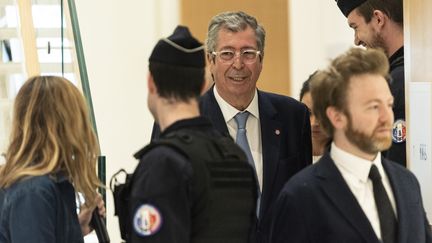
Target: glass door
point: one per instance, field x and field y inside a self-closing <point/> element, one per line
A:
<point x="12" y="73"/>
<point x="35" y="38"/>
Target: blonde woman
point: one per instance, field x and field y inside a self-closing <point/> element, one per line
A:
<point x="51" y="156"/>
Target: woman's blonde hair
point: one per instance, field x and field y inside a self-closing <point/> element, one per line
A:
<point x="51" y="133"/>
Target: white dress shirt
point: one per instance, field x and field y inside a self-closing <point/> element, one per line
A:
<point x="253" y="129"/>
<point x="315" y="158"/>
<point x="355" y="171"/>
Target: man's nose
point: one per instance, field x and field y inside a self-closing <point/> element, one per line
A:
<point x="357" y="41"/>
<point x="386" y="114"/>
<point x="238" y="62"/>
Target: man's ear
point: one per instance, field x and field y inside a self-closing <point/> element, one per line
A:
<point x="380" y="18"/>
<point x="336" y="117"/>
<point x="151" y="86"/>
<point x="210" y="58"/>
<point x="211" y="61"/>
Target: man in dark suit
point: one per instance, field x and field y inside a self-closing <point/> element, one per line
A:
<point x="352" y="194"/>
<point x="277" y="128"/>
<point x="379" y="24"/>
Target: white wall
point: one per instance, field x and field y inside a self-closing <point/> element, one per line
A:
<point x="319" y="32"/>
<point x="118" y="37"/>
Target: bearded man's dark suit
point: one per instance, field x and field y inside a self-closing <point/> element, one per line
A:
<point x="317" y="205"/>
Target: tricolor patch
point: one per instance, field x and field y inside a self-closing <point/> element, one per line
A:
<point x="399" y="131"/>
<point x="147" y="220"/>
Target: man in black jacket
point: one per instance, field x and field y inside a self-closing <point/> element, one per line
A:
<point x="379" y="24"/>
<point x="177" y="193"/>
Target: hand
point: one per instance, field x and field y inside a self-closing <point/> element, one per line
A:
<point x="85" y="215"/>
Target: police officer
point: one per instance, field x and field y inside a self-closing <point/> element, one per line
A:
<point x="174" y="197"/>
<point x="379" y="24"/>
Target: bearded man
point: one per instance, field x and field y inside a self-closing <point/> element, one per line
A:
<point x="379" y="24"/>
<point x="352" y="194"/>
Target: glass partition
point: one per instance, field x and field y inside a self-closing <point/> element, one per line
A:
<point x="39" y="37"/>
<point x="36" y="37"/>
<point x="12" y="73"/>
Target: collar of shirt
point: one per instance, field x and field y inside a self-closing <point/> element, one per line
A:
<point x="315" y="158"/>
<point x="352" y="165"/>
<point x="229" y="111"/>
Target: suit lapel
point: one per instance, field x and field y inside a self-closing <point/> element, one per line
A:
<point x="270" y="141"/>
<point x="400" y="191"/>
<point x="338" y="192"/>
<point x="210" y="109"/>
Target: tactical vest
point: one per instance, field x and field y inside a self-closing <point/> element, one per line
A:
<point x="226" y="177"/>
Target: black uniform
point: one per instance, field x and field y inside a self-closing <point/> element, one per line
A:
<point x="397" y="151"/>
<point x="173" y="200"/>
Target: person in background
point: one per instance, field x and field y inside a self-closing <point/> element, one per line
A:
<point x="181" y="194"/>
<point x="52" y="155"/>
<point x="320" y="140"/>
<point x="352" y="194"/>
<point x="379" y="24"/>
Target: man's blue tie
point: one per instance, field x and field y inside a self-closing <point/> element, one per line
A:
<point x="241" y="140"/>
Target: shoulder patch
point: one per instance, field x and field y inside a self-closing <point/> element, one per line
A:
<point x="399" y="131"/>
<point x="147" y="220"/>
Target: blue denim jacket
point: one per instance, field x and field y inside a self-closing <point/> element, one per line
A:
<point x="39" y="209"/>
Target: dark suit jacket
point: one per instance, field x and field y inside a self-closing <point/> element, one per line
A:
<point x="284" y="154"/>
<point x="286" y="142"/>
<point x="317" y="205"/>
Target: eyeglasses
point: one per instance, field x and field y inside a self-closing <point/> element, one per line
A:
<point x="228" y="56"/>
